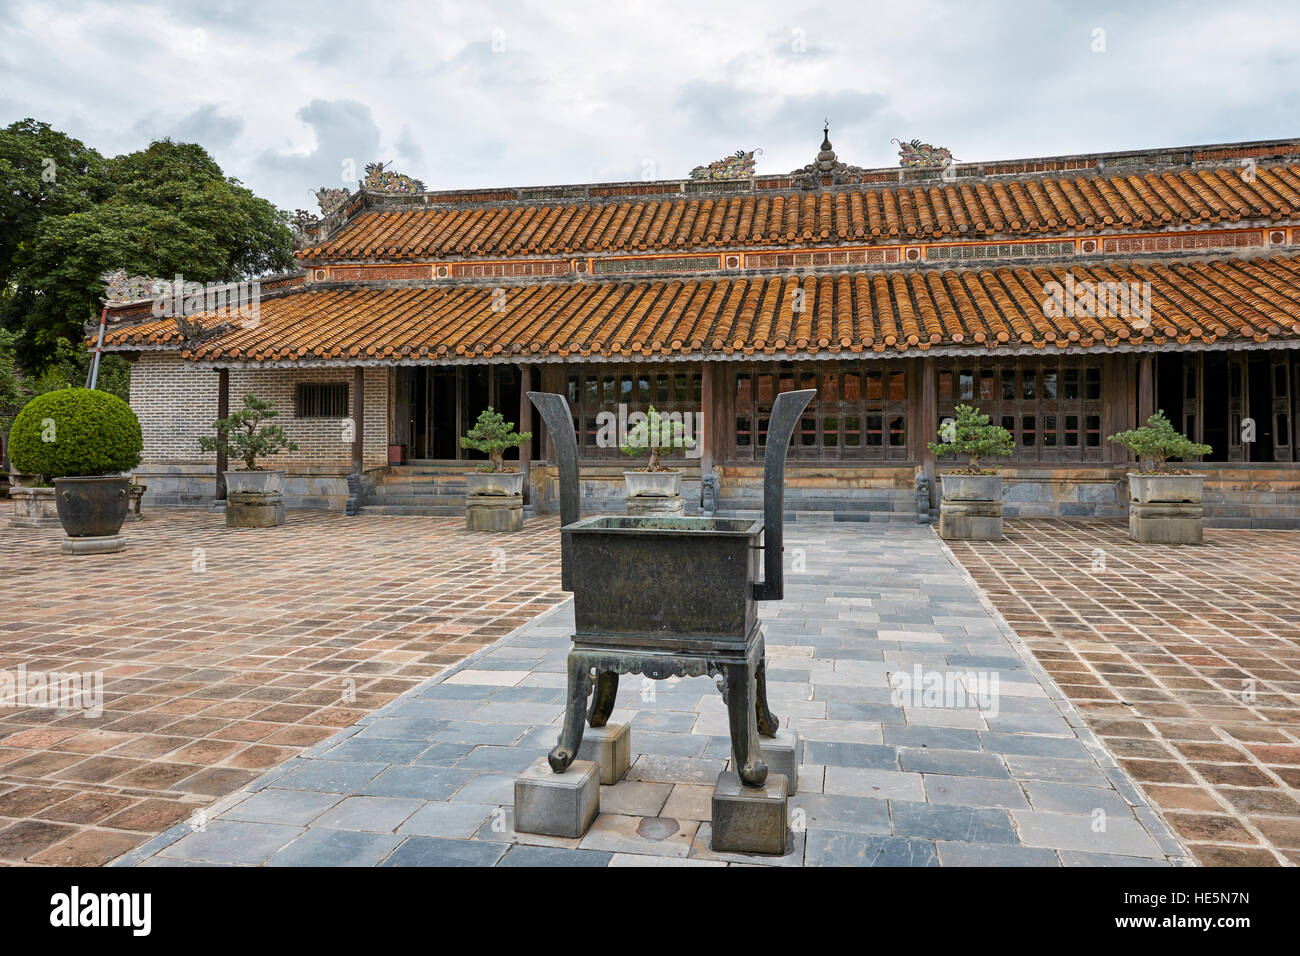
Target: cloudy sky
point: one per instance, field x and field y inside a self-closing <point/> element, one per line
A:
<point x="291" y="96"/>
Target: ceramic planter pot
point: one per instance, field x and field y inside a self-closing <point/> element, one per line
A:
<point x="92" y="507"/>
<point x="653" y="484"/>
<point x="1150" y="489"/>
<point x="494" y="483"/>
<point x="972" y="487"/>
<point x="266" y="482"/>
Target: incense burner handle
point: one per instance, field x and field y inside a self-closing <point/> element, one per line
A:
<point x="785" y="415"/>
<point x="555" y="413"/>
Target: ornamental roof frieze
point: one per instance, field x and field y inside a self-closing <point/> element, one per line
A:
<point x="1176" y="242"/>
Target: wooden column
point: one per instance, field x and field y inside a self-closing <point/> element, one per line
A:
<point x="525" y="423"/>
<point x="929" y="425"/>
<point x="1146" y="388"/>
<point x="358" y="419"/>
<point x="705" y="438"/>
<point x="223" y="411"/>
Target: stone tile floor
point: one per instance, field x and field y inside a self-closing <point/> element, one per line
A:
<point x="1012" y="778"/>
<point x="224" y="653"/>
<point x="1184" y="660"/>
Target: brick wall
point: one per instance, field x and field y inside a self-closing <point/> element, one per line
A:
<point x="177" y="402"/>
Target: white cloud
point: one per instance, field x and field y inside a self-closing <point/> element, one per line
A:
<point x="522" y="93"/>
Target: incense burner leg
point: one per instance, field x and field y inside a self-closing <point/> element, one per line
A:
<point x="744" y="724"/>
<point x="602" y="702"/>
<point x="768" y="722"/>
<point x="575" y="712"/>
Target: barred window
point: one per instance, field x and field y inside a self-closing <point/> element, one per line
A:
<point x="1051" y="407"/>
<point x="321" y="400"/>
<point x="602" y="398"/>
<point x="859" y="412"/>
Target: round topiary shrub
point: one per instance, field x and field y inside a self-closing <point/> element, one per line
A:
<point x="75" y="431"/>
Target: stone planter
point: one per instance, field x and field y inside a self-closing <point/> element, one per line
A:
<point x="1166" y="509"/>
<point x="654" y="493"/>
<point x="262" y="482"/>
<point x="494" y="501"/>
<point x="92" y="510"/>
<point x="253" y="499"/>
<point x="971" y="508"/>
<point x="33" y="507"/>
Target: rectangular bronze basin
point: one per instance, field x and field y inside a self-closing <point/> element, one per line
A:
<point x="680" y="577"/>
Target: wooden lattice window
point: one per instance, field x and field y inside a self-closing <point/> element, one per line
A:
<point x="859" y="413"/>
<point x="321" y="400"/>
<point x="1052" y="407"/>
<point x="621" y="390"/>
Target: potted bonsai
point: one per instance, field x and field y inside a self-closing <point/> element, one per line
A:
<point x="494" y="497"/>
<point x="971" y="506"/>
<point x="83" y="441"/>
<point x="655" y="489"/>
<point x="1164" y="505"/>
<point x="253" y="494"/>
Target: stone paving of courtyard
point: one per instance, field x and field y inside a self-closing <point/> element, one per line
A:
<point x="225" y="653"/>
<point x="1184" y="660"/>
<point x="1015" y="779"/>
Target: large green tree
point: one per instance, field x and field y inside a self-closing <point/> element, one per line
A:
<point x="162" y="211"/>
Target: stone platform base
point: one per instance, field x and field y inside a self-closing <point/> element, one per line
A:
<point x="749" y="819"/>
<point x="494" y="512"/>
<point x="610" y="748"/>
<point x="105" y="544"/>
<point x="557" y="804"/>
<point x="656" y="506"/>
<point x="1166" y="522"/>
<point x="970" y="520"/>
<point x="33" y="507"/>
<point x="248" y="510"/>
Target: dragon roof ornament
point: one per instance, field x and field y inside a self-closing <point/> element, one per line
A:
<point x="919" y="155"/>
<point x="379" y="179"/>
<point x="121" y="287"/>
<point x="739" y="165"/>
<point x="331" y="199"/>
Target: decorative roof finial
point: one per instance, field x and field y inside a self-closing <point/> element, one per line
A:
<point x="826" y="158"/>
<point x="826" y="134"/>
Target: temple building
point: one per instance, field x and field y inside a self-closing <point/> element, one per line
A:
<point x="1068" y="297"/>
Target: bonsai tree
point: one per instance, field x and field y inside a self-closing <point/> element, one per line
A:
<point x="492" y="435"/>
<point x="1159" y="441"/>
<point x="243" y="435"/>
<point x="656" y="435"/>
<point x="75" y="432"/>
<point x="971" y="434"/>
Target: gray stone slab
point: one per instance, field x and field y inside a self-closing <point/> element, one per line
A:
<point x="837" y="754"/>
<point x="836" y="848"/>
<point x="432" y="851"/>
<point x="932" y="821"/>
<point x="951" y="762"/>
<point x="375" y="814"/>
<point x="994" y="854"/>
<point x="325" y="847"/>
<point x="816" y="811"/>
<point x="450" y="818"/>
<point x="332" y="776"/>
<point x="292" y="807"/>
<point x="549" y="856"/>
<point x="228" y="841"/>
<point x="417" y="782"/>
<point x="975" y="791"/>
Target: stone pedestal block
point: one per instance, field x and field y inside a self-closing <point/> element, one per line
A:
<point x="781" y="754"/>
<point x="250" y="510"/>
<point x="749" y="819"/>
<point x="656" y="506"/>
<point x="557" y="804"/>
<point x="105" y="544"/>
<point x="970" y="520"/>
<point x="494" y="512"/>
<point x="1166" y="522"/>
<point x="33" y="507"/>
<point x="610" y="747"/>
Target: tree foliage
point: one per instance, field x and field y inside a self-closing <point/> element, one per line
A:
<point x="1159" y="441"/>
<point x="492" y="435"/>
<point x="69" y="215"/>
<point x="243" y="436"/>
<point x="970" y="434"/>
<point x="75" y="431"/>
